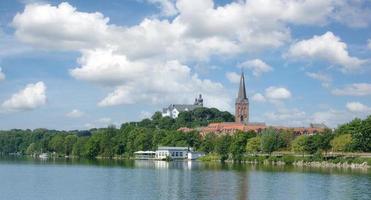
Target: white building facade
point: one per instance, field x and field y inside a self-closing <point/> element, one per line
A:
<point x="173" y="110"/>
<point x="172" y="153"/>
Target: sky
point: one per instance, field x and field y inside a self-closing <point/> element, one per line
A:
<point x="83" y="64"/>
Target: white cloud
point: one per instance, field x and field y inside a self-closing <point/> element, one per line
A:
<point x="105" y="120"/>
<point x="75" y="113"/>
<point x="2" y="75"/>
<point x="148" y="82"/>
<point x="257" y="66"/>
<point x="288" y="117"/>
<point x="277" y="93"/>
<point x="167" y="7"/>
<point x="357" y="107"/>
<point x="233" y="77"/>
<point x="10" y="45"/>
<point x="325" y="47"/>
<point x="355" y="89"/>
<point x="144" y="114"/>
<point x="353" y="13"/>
<point x="274" y="95"/>
<point x="31" y="97"/>
<point x="323" y="78"/>
<point x="258" y="97"/>
<point x="330" y="117"/>
<point x="369" y="43"/>
<point x="146" y="62"/>
<point x="101" y="122"/>
<point x="67" y="28"/>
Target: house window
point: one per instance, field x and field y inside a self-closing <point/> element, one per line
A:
<point x="181" y="154"/>
<point x="176" y="154"/>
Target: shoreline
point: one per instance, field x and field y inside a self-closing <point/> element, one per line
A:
<point x="343" y="163"/>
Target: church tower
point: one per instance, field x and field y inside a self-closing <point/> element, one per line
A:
<point x="242" y="103"/>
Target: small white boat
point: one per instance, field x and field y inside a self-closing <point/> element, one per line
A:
<point x="43" y="156"/>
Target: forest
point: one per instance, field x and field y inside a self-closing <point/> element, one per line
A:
<point x="148" y="134"/>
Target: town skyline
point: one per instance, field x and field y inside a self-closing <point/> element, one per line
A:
<point x="114" y="62"/>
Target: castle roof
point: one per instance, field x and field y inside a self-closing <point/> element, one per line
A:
<point x="182" y="107"/>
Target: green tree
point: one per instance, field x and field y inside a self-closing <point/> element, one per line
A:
<point x="31" y="149"/>
<point x="238" y="145"/>
<point x="92" y="147"/>
<point x="362" y="136"/>
<point x="79" y="147"/>
<point x="341" y="143"/>
<point x="253" y="145"/>
<point x="285" y="138"/>
<point x="69" y="141"/>
<point x="208" y="143"/>
<point x="56" y="144"/>
<point x="269" y="140"/>
<point x="222" y="146"/>
<point x="298" y="144"/>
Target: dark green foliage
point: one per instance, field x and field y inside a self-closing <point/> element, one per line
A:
<point x="270" y="140"/>
<point x="195" y="118"/>
<point x="162" y="131"/>
<point x="222" y="146"/>
<point x="238" y="145"/>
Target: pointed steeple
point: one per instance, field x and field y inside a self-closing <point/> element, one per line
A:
<point x="242" y="90"/>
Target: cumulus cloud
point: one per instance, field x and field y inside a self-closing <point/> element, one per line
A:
<point x="355" y="89"/>
<point x="75" y="113"/>
<point x="257" y="66"/>
<point x="331" y="117"/>
<point x="357" y="107"/>
<point x="148" y="82"/>
<point x="273" y="95"/>
<point x="290" y="117"/>
<point x="101" y="122"/>
<point x="323" y="78"/>
<point x="353" y="13"/>
<point x="31" y="97"/>
<point x="277" y="93"/>
<point x="67" y="28"/>
<point x="199" y="29"/>
<point x="167" y="7"/>
<point x="233" y="77"/>
<point x="147" y="62"/>
<point x="2" y="75"/>
<point x="326" y="47"/>
<point x="145" y="114"/>
<point x="258" y="97"/>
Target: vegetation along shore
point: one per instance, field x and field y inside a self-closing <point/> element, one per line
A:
<point x="349" y="145"/>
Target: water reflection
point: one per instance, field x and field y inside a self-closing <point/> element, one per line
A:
<point x="128" y="179"/>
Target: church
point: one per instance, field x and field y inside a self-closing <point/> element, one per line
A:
<point x="242" y="120"/>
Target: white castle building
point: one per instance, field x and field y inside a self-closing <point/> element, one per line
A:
<point x="174" y="109"/>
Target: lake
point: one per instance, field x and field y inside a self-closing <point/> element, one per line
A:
<point x="34" y="179"/>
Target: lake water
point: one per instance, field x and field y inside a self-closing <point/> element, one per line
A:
<point x="29" y="179"/>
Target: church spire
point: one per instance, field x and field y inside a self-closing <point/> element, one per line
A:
<point x="242" y="90"/>
<point x="242" y="103"/>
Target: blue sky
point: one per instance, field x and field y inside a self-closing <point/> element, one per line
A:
<point x="82" y="64"/>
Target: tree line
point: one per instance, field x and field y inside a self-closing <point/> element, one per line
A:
<point x="148" y="134"/>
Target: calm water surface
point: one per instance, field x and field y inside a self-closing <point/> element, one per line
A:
<point x="29" y="179"/>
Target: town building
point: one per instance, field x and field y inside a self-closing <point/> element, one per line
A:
<point x="173" y="110"/>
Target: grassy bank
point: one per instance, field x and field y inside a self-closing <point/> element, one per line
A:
<point x="307" y="160"/>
